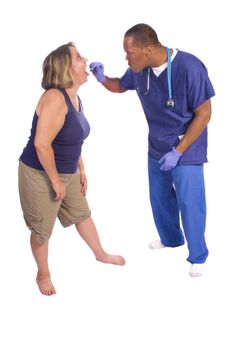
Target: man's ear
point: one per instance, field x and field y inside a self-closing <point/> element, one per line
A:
<point x="147" y="50"/>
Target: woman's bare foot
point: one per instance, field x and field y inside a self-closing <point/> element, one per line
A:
<point x="45" y="286"/>
<point x="111" y="259"/>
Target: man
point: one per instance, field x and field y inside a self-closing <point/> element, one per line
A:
<point x="175" y="91"/>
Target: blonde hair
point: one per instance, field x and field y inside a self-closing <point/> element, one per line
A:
<point x="56" y="68"/>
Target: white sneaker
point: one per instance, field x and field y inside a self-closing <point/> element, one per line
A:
<point x="196" y="270"/>
<point x="156" y="245"/>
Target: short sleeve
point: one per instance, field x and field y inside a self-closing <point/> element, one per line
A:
<point x="200" y="87"/>
<point x="129" y="80"/>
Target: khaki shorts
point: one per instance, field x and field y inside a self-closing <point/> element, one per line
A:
<point x="40" y="209"/>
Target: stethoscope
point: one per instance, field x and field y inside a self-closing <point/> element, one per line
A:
<point x="170" y="100"/>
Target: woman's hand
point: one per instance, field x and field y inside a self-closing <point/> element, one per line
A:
<point x="60" y="190"/>
<point x="83" y="181"/>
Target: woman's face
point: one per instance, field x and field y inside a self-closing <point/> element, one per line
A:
<point x="78" y="66"/>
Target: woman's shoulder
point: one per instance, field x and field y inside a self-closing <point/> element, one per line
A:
<point x="52" y="97"/>
<point x="53" y="94"/>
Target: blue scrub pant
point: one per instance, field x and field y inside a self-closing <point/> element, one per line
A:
<point x="181" y="190"/>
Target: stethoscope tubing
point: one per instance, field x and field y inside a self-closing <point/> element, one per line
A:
<point x="169" y="75"/>
<point x="170" y="100"/>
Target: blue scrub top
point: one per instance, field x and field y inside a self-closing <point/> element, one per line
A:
<point x="191" y="87"/>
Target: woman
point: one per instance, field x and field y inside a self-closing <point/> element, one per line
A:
<point x="52" y="180"/>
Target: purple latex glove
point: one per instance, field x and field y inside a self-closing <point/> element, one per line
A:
<point x="169" y="160"/>
<point x="97" y="69"/>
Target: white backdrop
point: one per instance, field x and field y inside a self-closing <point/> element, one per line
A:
<point x="151" y="303"/>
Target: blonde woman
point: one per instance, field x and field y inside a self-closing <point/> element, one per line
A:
<point x="52" y="180"/>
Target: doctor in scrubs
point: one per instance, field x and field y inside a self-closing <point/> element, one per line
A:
<point x="175" y="91"/>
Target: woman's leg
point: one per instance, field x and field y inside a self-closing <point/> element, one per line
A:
<point x="40" y="253"/>
<point x="89" y="234"/>
<point x="40" y="212"/>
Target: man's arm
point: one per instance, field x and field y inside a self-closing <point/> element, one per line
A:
<point x="111" y="84"/>
<point x="198" y="124"/>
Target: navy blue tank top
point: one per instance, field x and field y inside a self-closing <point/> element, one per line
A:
<point x="67" y="145"/>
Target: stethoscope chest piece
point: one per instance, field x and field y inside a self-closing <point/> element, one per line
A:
<point x="170" y="102"/>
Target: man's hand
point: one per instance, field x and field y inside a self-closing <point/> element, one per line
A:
<point x="97" y="69"/>
<point x="170" y="160"/>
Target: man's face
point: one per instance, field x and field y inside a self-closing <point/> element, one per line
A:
<point x="135" y="55"/>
